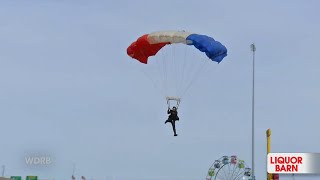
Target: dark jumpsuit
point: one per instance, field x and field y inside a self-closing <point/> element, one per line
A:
<point x="173" y="117"/>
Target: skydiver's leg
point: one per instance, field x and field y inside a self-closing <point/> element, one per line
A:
<point x="168" y="120"/>
<point x="173" y="122"/>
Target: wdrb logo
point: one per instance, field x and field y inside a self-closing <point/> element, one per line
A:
<point x="35" y="160"/>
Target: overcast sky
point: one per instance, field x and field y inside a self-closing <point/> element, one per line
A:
<point x="69" y="91"/>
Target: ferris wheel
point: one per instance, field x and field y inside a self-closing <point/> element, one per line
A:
<point x="229" y="168"/>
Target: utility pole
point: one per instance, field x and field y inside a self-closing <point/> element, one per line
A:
<point x="253" y="49"/>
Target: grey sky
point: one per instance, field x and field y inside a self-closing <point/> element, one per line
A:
<point x="69" y="90"/>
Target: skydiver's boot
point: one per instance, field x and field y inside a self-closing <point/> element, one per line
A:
<point x="175" y="133"/>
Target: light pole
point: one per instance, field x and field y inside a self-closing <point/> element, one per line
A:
<point x="253" y="49"/>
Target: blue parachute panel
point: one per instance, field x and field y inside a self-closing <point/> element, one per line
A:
<point x="213" y="49"/>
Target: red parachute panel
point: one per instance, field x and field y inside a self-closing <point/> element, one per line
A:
<point x="142" y="49"/>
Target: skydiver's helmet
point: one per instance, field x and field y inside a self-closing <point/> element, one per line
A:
<point x="174" y="108"/>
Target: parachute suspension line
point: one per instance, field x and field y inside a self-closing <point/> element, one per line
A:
<point x="183" y="70"/>
<point x="162" y="91"/>
<point x="161" y="72"/>
<point x="165" y="72"/>
<point x="175" y="69"/>
<point x="161" y="75"/>
<point x="191" y="69"/>
<point x="188" y="67"/>
<point x="196" y="76"/>
<point x="154" y="83"/>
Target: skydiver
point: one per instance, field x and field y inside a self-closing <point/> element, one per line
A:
<point x="173" y="117"/>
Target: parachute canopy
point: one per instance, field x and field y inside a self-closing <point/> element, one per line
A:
<point x="149" y="44"/>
